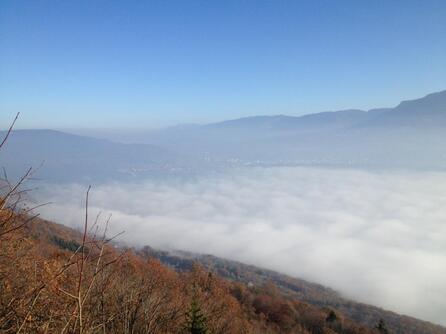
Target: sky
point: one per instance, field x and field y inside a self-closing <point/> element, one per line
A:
<point x="146" y="64"/>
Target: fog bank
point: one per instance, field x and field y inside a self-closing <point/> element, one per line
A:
<point x="376" y="237"/>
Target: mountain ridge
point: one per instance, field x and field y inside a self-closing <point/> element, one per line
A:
<point x="436" y="100"/>
<point x="411" y="135"/>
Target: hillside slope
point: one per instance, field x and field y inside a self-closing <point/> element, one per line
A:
<point x="266" y="302"/>
<point x="71" y="158"/>
<point x="295" y="288"/>
<point x="54" y="280"/>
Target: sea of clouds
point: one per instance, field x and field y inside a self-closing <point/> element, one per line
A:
<point x="377" y="237"/>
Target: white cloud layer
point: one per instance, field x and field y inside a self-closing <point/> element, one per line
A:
<point x="378" y="237"/>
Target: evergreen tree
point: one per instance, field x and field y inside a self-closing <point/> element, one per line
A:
<point x="332" y="317"/>
<point x="333" y="322"/>
<point x="381" y="327"/>
<point x="195" y="319"/>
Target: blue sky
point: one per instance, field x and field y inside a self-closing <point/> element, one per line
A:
<point x="145" y="64"/>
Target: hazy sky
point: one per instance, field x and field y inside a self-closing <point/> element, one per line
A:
<point x="154" y="63"/>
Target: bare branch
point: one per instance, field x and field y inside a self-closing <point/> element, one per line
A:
<point x="9" y="130"/>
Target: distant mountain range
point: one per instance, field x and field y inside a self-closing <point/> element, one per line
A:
<point x="410" y="135"/>
<point x="429" y="111"/>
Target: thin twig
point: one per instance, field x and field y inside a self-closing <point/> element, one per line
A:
<point x="9" y="130"/>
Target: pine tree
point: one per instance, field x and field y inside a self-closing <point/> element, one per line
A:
<point x="333" y="322"/>
<point x="332" y="317"/>
<point x="381" y="327"/>
<point x="195" y="319"/>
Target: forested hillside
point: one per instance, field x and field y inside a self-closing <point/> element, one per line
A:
<point x="294" y="288"/>
<point x="57" y="280"/>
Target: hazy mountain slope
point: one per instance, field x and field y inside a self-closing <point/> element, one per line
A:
<point x="429" y="111"/>
<point x="67" y="157"/>
<point x="411" y="135"/>
<point x="426" y="111"/>
<point x="319" y="121"/>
